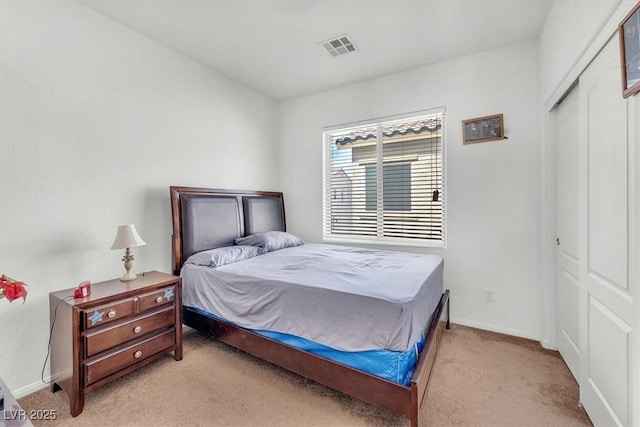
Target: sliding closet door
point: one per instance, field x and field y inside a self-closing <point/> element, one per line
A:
<point x="567" y="288"/>
<point x="605" y="294"/>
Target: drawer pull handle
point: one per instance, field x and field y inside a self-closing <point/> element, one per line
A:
<point x="159" y="299"/>
<point x="137" y="329"/>
<point x="135" y="299"/>
<point x="112" y="313"/>
<point x="137" y="354"/>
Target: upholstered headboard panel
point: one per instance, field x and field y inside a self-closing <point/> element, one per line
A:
<point x="209" y="222"/>
<point x="206" y="218"/>
<point x="263" y="214"/>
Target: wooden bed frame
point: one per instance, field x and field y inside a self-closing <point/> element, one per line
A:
<point x="399" y="399"/>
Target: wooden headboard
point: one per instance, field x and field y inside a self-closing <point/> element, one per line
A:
<point x="207" y="218"/>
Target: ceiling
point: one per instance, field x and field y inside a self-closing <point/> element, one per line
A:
<point x="274" y="47"/>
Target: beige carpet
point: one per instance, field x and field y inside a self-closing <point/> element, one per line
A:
<point x="481" y="379"/>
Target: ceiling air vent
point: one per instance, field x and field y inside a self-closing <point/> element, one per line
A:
<point x="339" y="45"/>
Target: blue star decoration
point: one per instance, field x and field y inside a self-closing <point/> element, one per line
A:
<point x="168" y="293"/>
<point x="96" y="317"/>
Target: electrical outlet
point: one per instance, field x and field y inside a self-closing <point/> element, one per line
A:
<point x="488" y="295"/>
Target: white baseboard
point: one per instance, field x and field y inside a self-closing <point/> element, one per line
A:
<point x="28" y="389"/>
<point x="548" y="345"/>
<point x="495" y="328"/>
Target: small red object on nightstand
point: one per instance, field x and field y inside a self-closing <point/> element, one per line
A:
<point x="83" y="290"/>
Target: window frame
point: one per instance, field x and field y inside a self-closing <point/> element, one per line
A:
<point x="326" y="189"/>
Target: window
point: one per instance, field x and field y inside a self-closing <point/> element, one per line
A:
<point x="384" y="182"/>
<point x="396" y="187"/>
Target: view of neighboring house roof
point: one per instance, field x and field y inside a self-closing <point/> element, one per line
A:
<point x="394" y="129"/>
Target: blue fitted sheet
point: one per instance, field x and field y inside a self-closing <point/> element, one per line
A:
<point x="395" y="366"/>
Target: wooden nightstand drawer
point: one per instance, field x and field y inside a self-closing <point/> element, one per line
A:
<point x="109" y="364"/>
<point x="102" y="339"/>
<point x="157" y="298"/>
<point x="108" y="313"/>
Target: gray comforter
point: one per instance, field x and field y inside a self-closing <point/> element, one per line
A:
<point x="351" y="299"/>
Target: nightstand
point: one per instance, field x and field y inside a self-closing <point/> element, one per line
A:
<point x="120" y="327"/>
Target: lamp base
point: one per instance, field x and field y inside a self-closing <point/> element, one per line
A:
<point x="127" y="277"/>
<point x="128" y="265"/>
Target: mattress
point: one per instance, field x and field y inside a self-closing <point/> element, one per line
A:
<point x="348" y="299"/>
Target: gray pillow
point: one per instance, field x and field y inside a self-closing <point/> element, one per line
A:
<point x="270" y="240"/>
<point x="225" y="255"/>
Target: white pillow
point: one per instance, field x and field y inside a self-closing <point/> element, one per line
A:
<point x="225" y="255"/>
<point x="270" y="240"/>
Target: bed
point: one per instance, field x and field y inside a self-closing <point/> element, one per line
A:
<point x="205" y="219"/>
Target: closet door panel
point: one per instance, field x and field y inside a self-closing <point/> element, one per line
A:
<point x="605" y="300"/>
<point x="567" y="215"/>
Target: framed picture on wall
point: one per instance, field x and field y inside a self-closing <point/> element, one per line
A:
<point x="483" y="129"/>
<point x="629" y="33"/>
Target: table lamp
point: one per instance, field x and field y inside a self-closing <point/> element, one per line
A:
<point x="126" y="238"/>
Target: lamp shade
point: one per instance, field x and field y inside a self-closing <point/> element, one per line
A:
<point x="127" y="237"/>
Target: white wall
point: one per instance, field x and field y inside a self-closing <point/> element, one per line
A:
<point x="96" y="123"/>
<point x="492" y="189"/>
<point x="571" y="26"/>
